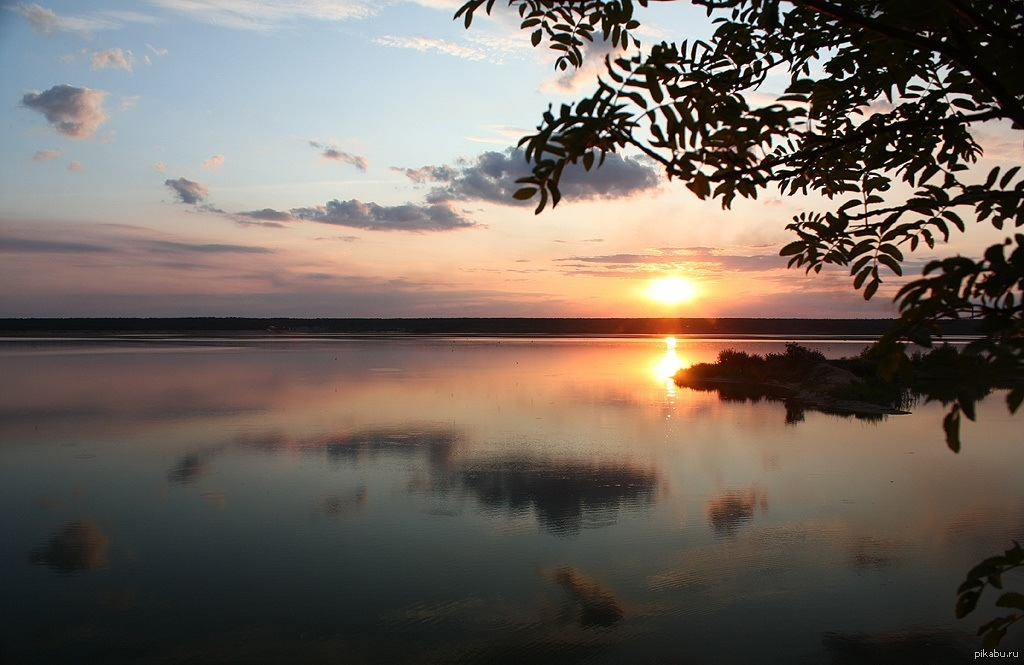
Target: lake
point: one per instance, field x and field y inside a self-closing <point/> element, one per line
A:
<point x="476" y="500"/>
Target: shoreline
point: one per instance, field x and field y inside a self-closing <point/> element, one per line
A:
<point x="788" y="328"/>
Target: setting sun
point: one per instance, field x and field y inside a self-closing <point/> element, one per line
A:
<point x="671" y="290"/>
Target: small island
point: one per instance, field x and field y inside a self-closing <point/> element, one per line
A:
<point x="805" y="380"/>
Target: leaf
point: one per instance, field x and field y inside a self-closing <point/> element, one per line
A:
<point x="871" y="288"/>
<point x="993" y="632"/>
<point x="966" y="603"/>
<point x="951" y="425"/>
<point x="891" y="263"/>
<point x="525" y="193"/>
<point x="1011" y="599"/>
<point x="795" y="247"/>
<point x="1014" y="399"/>
<point x="1008" y="176"/>
<point x="699" y="185"/>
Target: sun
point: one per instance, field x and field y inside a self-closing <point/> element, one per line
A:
<point x="671" y="290"/>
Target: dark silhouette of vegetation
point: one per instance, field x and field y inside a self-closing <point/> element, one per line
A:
<point x="878" y="116"/>
<point x="803" y="379"/>
<point x="990" y="573"/>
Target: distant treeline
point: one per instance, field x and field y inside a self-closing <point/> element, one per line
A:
<point x="465" y="326"/>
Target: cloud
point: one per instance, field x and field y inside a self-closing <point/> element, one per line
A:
<point x="492" y="177"/>
<point x="355" y="160"/>
<point x="46" y="21"/>
<point x="268" y="214"/>
<point x="213" y="163"/>
<point x="160" y="166"/>
<point x="188" y="191"/>
<point x="39" y="18"/>
<point x="356" y="214"/>
<point x="75" y="166"/>
<point x="496" y="39"/>
<point x="126" y="241"/>
<point x="157" y="53"/>
<point x="44" y="156"/>
<point x="129" y="102"/>
<point x="502" y="134"/>
<point x="333" y="153"/>
<point x="371" y="216"/>
<point x="74" y="112"/>
<point x="577" y="80"/>
<point x="426" y="174"/>
<point x="268" y="14"/>
<point x="709" y="259"/>
<point x="428" y="44"/>
<point x="439" y="4"/>
<point x="16" y="245"/>
<point x="208" y="248"/>
<point x="113" y="58"/>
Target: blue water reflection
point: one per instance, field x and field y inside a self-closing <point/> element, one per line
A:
<point x="474" y="501"/>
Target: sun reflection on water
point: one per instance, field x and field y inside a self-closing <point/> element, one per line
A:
<point x="667" y="366"/>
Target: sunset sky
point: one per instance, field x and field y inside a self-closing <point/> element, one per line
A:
<point x="346" y="158"/>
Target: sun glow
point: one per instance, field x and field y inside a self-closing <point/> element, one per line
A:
<point x="671" y="290"/>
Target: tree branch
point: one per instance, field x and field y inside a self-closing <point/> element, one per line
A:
<point x="1010" y="103"/>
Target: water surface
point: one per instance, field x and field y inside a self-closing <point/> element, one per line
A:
<point x="446" y="500"/>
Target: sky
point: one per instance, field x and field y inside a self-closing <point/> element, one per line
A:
<point x="347" y="158"/>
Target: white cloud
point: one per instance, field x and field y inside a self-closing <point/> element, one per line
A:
<point x="583" y="79"/>
<point x="113" y="58"/>
<point x="489" y="46"/>
<point x="440" y="4"/>
<point x="44" y="156"/>
<point x="262" y="15"/>
<point x="502" y="135"/>
<point x="214" y="163"/>
<point x="46" y="21"/>
<point x="39" y="18"/>
<point x="427" y="44"/>
<point x="160" y="166"/>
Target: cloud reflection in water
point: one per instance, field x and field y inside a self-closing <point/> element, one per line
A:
<point x="730" y="510"/>
<point x="592" y="605"/>
<point x="189" y="468"/>
<point x="565" y="494"/>
<point x="77" y="547"/>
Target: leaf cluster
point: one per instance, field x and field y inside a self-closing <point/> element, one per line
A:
<point x="990" y="572"/>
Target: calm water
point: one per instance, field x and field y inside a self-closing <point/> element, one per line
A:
<point x="475" y="501"/>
